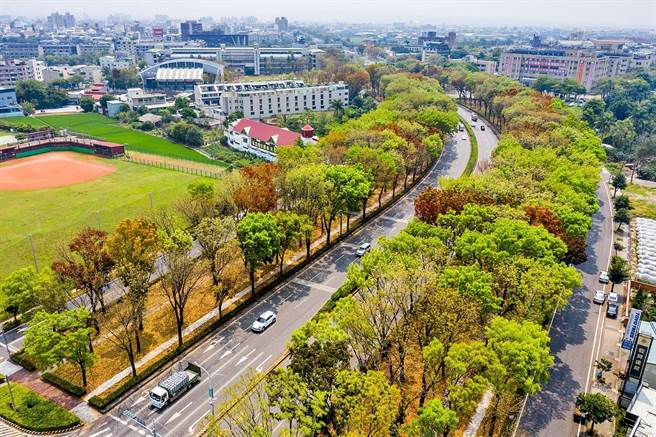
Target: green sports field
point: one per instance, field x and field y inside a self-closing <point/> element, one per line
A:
<point x="53" y="215"/>
<point x="105" y="128"/>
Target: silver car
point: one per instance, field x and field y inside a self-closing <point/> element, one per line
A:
<point x="603" y="277"/>
<point x="265" y="320"/>
<point x="599" y="297"/>
<point x="364" y="248"/>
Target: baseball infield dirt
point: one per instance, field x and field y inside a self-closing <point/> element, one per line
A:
<point x="50" y="170"/>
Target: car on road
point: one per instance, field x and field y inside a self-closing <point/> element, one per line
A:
<point x="265" y="320"/>
<point x="473" y="124"/>
<point x="599" y="297"/>
<point x="461" y="128"/>
<point x="464" y="137"/>
<point x="603" y="277"/>
<point x="482" y="127"/>
<point x="611" y="311"/>
<point x="364" y="248"/>
<point x="613" y="298"/>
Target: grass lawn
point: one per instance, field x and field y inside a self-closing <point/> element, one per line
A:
<point x="34" y="412"/>
<point x="643" y="200"/>
<point x="103" y="127"/>
<point x="54" y="215"/>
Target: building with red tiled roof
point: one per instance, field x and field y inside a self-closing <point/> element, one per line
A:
<point x="259" y="138"/>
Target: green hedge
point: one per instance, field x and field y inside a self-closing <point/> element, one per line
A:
<point x="34" y="412"/>
<point x="473" y="156"/>
<point x="23" y="360"/>
<point x="63" y="384"/>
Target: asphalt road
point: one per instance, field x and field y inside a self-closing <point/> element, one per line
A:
<point x="234" y="349"/>
<point x="487" y="140"/>
<point x="575" y="337"/>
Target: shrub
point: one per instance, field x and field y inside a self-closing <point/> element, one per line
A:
<point x="34" y="412"/>
<point x="22" y="359"/>
<point x="10" y="324"/>
<point x="65" y="385"/>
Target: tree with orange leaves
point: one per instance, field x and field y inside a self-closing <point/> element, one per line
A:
<point x="257" y="192"/>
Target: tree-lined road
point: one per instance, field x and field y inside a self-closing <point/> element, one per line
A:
<point x="575" y="337"/>
<point x="234" y="350"/>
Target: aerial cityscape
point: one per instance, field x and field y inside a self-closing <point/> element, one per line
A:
<point x="328" y="218"/>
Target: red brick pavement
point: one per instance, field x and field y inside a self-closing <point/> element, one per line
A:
<point x="32" y="380"/>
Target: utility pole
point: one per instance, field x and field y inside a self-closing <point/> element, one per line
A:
<point x="152" y="203"/>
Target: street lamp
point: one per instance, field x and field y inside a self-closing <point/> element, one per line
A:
<point x="210" y="390"/>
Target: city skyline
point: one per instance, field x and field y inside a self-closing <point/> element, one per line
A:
<point x="579" y="13"/>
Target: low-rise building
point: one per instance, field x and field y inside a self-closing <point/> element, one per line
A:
<point x="9" y="106"/>
<point x="113" y="63"/>
<point x="266" y="99"/>
<point x="260" y="139"/>
<point x="641" y="413"/>
<point x="21" y="50"/>
<point x="136" y="98"/>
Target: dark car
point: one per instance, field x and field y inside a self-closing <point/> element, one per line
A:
<point x="611" y="311"/>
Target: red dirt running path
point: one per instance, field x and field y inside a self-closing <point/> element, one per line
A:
<point x="50" y="170"/>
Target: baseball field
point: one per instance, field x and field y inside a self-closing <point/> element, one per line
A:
<point x="54" y="195"/>
<point x="105" y="128"/>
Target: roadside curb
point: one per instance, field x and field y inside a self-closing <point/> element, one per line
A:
<point x="30" y="432"/>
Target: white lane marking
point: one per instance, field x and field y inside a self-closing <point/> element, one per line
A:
<point x="228" y="382"/>
<point x="316" y="285"/>
<point x="139" y="400"/>
<point x="121" y="421"/>
<point x="244" y="358"/>
<point x="261" y="366"/>
<point x="102" y="431"/>
<point x="218" y="351"/>
<point x="193" y="425"/>
<point x="179" y="412"/>
<point x="212" y="344"/>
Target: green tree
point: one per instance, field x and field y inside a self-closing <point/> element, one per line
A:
<point x="345" y="187"/>
<point x="618" y="182"/>
<point x="258" y="238"/>
<point x="622" y="202"/>
<point x="53" y="338"/>
<point x="181" y="102"/>
<point x="622" y="217"/>
<point x="597" y="407"/>
<point x="28" y="108"/>
<point x="22" y="288"/>
<point x="618" y="271"/>
<point x="291" y="228"/>
<point x="433" y="419"/>
<point x="86" y="103"/>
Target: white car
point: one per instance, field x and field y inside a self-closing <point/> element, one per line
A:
<point x="603" y="277"/>
<point x="364" y="248"/>
<point x="473" y="124"/>
<point x="613" y="298"/>
<point x="464" y="137"/>
<point x="599" y="297"/>
<point x="265" y="320"/>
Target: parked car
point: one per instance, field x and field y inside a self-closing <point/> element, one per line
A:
<point x="603" y="277"/>
<point x="612" y="310"/>
<point x="599" y="297"/>
<point x="364" y="248"/>
<point x="613" y="298"/>
<point x="265" y="320"/>
<point x="482" y="127"/>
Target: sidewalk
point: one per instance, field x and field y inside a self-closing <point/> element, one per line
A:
<point x="48" y="391"/>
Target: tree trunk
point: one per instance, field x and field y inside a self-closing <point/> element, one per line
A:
<point x="329" y="225"/>
<point x="340" y="223"/>
<point x="348" y="222"/>
<point x="83" y="369"/>
<point x="179" y="324"/>
<point x="137" y="340"/>
<point x="101" y="299"/>
<point x="364" y="210"/>
<point x="380" y="196"/>
<point x="401" y="351"/>
<point x="424" y="387"/>
<point x="251" y="276"/>
<point x="282" y="263"/>
<point x="612" y="287"/>
<point x="131" y="358"/>
<point x="307" y="245"/>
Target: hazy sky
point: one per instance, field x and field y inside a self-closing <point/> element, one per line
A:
<point x="571" y="13"/>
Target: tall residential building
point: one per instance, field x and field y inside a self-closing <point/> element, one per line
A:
<point x="61" y="21"/>
<point x="586" y="66"/>
<point x="282" y="24"/>
<point x="266" y="99"/>
<point x="14" y="71"/>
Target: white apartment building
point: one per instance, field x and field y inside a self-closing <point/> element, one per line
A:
<point x="14" y="71"/>
<point x="266" y="99"/>
<point x="89" y="73"/>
